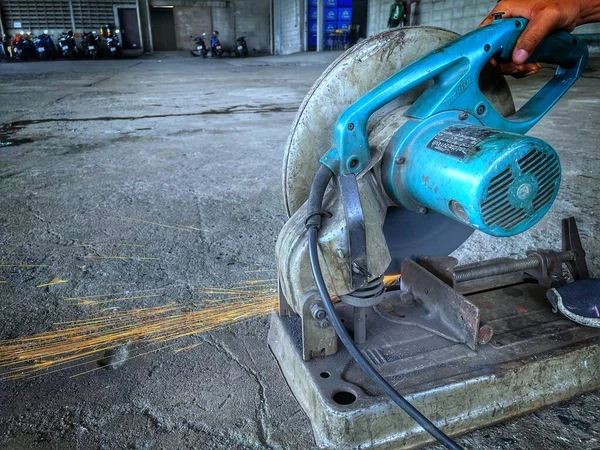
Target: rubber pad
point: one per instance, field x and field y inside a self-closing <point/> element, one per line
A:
<point x="582" y="297"/>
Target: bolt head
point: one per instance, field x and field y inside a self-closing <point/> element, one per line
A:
<point x="317" y="311"/>
<point x="422" y="210"/>
<point x="324" y="323"/>
<point x="462" y="115"/>
<point x="400" y="160"/>
<point x="485" y="334"/>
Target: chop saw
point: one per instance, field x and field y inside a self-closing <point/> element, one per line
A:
<point x="405" y="145"/>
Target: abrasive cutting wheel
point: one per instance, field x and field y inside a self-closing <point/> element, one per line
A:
<point x="351" y="76"/>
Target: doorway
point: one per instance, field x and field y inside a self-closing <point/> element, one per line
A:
<point x="127" y="22"/>
<point x="163" y="29"/>
<point x="359" y="19"/>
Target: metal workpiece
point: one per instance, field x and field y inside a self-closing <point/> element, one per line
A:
<point x="427" y="302"/>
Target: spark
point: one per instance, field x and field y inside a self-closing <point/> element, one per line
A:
<point x="87" y="302"/>
<point x="164" y="225"/>
<point x="26" y="266"/>
<point x="391" y="280"/>
<point x="76" y="343"/>
<point x="112" y="294"/>
<point x="53" y="282"/>
<point x="140" y="258"/>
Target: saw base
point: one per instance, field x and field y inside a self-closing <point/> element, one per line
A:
<point x="535" y="358"/>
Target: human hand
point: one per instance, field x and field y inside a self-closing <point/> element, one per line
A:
<point x="545" y="16"/>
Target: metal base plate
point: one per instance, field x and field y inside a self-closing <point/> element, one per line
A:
<point x="535" y="358"/>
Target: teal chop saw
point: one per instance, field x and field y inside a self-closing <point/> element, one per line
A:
<point x="405" y="145"/>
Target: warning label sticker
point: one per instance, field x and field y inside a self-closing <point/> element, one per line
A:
<point x="459" y="140"/>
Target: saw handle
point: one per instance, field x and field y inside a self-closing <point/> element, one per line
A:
<point x="455" y="69"/>
<point x="560" y="48"/>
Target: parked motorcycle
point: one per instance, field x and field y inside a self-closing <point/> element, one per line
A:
<point x="241" y="46"/>
<point x="201" y="48"/>
<point x="23" y="47"/>
<point x="90" y="42"/>
<point x="216" y="48"/>
<point x="111" y="35"/>
<point x="68" y="46"/>
<point x="44" y="46"/>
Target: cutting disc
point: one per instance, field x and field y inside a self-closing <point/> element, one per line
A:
<point x="351" y="76"/>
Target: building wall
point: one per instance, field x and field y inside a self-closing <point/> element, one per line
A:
<point x="288" y="24"/>
<point x="37" y="16"/>
<point x="461" y="16"/>
<point x="232" y="19"/>
<point x="191" y="21"/>
<point x="253" y="20"/>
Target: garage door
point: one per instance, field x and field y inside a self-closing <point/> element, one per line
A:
<point x="37" y="15"/>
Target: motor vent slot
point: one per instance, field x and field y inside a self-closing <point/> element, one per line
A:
<point x="499" y="210"/>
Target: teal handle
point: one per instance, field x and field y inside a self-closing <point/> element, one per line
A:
<point x="560" y="48"/>
<point x="455" y="70"/>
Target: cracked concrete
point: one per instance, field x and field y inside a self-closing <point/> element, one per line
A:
<point x="180" y="160"/>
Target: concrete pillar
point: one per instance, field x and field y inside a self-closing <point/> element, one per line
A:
<point x="305" y="30"/>
<point x="143" y="7"/>
<point x="72" y="16"/>
<point x="320" y="24"/>
<point x="1" y="27"/>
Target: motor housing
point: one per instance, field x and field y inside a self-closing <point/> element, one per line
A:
<point x="498" y="182"/>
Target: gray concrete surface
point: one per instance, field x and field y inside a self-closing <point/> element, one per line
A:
<point x="188" y="142"/>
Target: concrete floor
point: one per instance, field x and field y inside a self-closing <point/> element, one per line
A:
<point x="186" y="142"/>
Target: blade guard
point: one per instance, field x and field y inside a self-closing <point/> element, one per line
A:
<point x="455" y="70"/>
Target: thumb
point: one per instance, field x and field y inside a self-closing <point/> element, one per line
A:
<point x="533" y="35"/>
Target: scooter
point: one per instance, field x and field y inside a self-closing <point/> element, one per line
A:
<point x="23" y="47"/>
<point x="111" y="35"/>
<point x="68" y="46"/>
<point x="241" y="46"/>
<point x="90" y="42"/>
<point x="216" y="48"/>
<point x="201" y="49"/>
<point x="44" y="46"/>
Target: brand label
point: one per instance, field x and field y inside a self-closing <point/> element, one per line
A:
<point x="459" y="140"/>
<point x="460" y="88"/>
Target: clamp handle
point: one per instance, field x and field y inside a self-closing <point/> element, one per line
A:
<point x="455" y="69"/>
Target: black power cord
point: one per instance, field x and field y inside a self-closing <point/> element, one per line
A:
<point x="313" y="224"/>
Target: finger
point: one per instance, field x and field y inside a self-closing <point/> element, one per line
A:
<point x="526" y="73"/>
<point x="538" y="28"/>
<point x="519" y="70"/>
